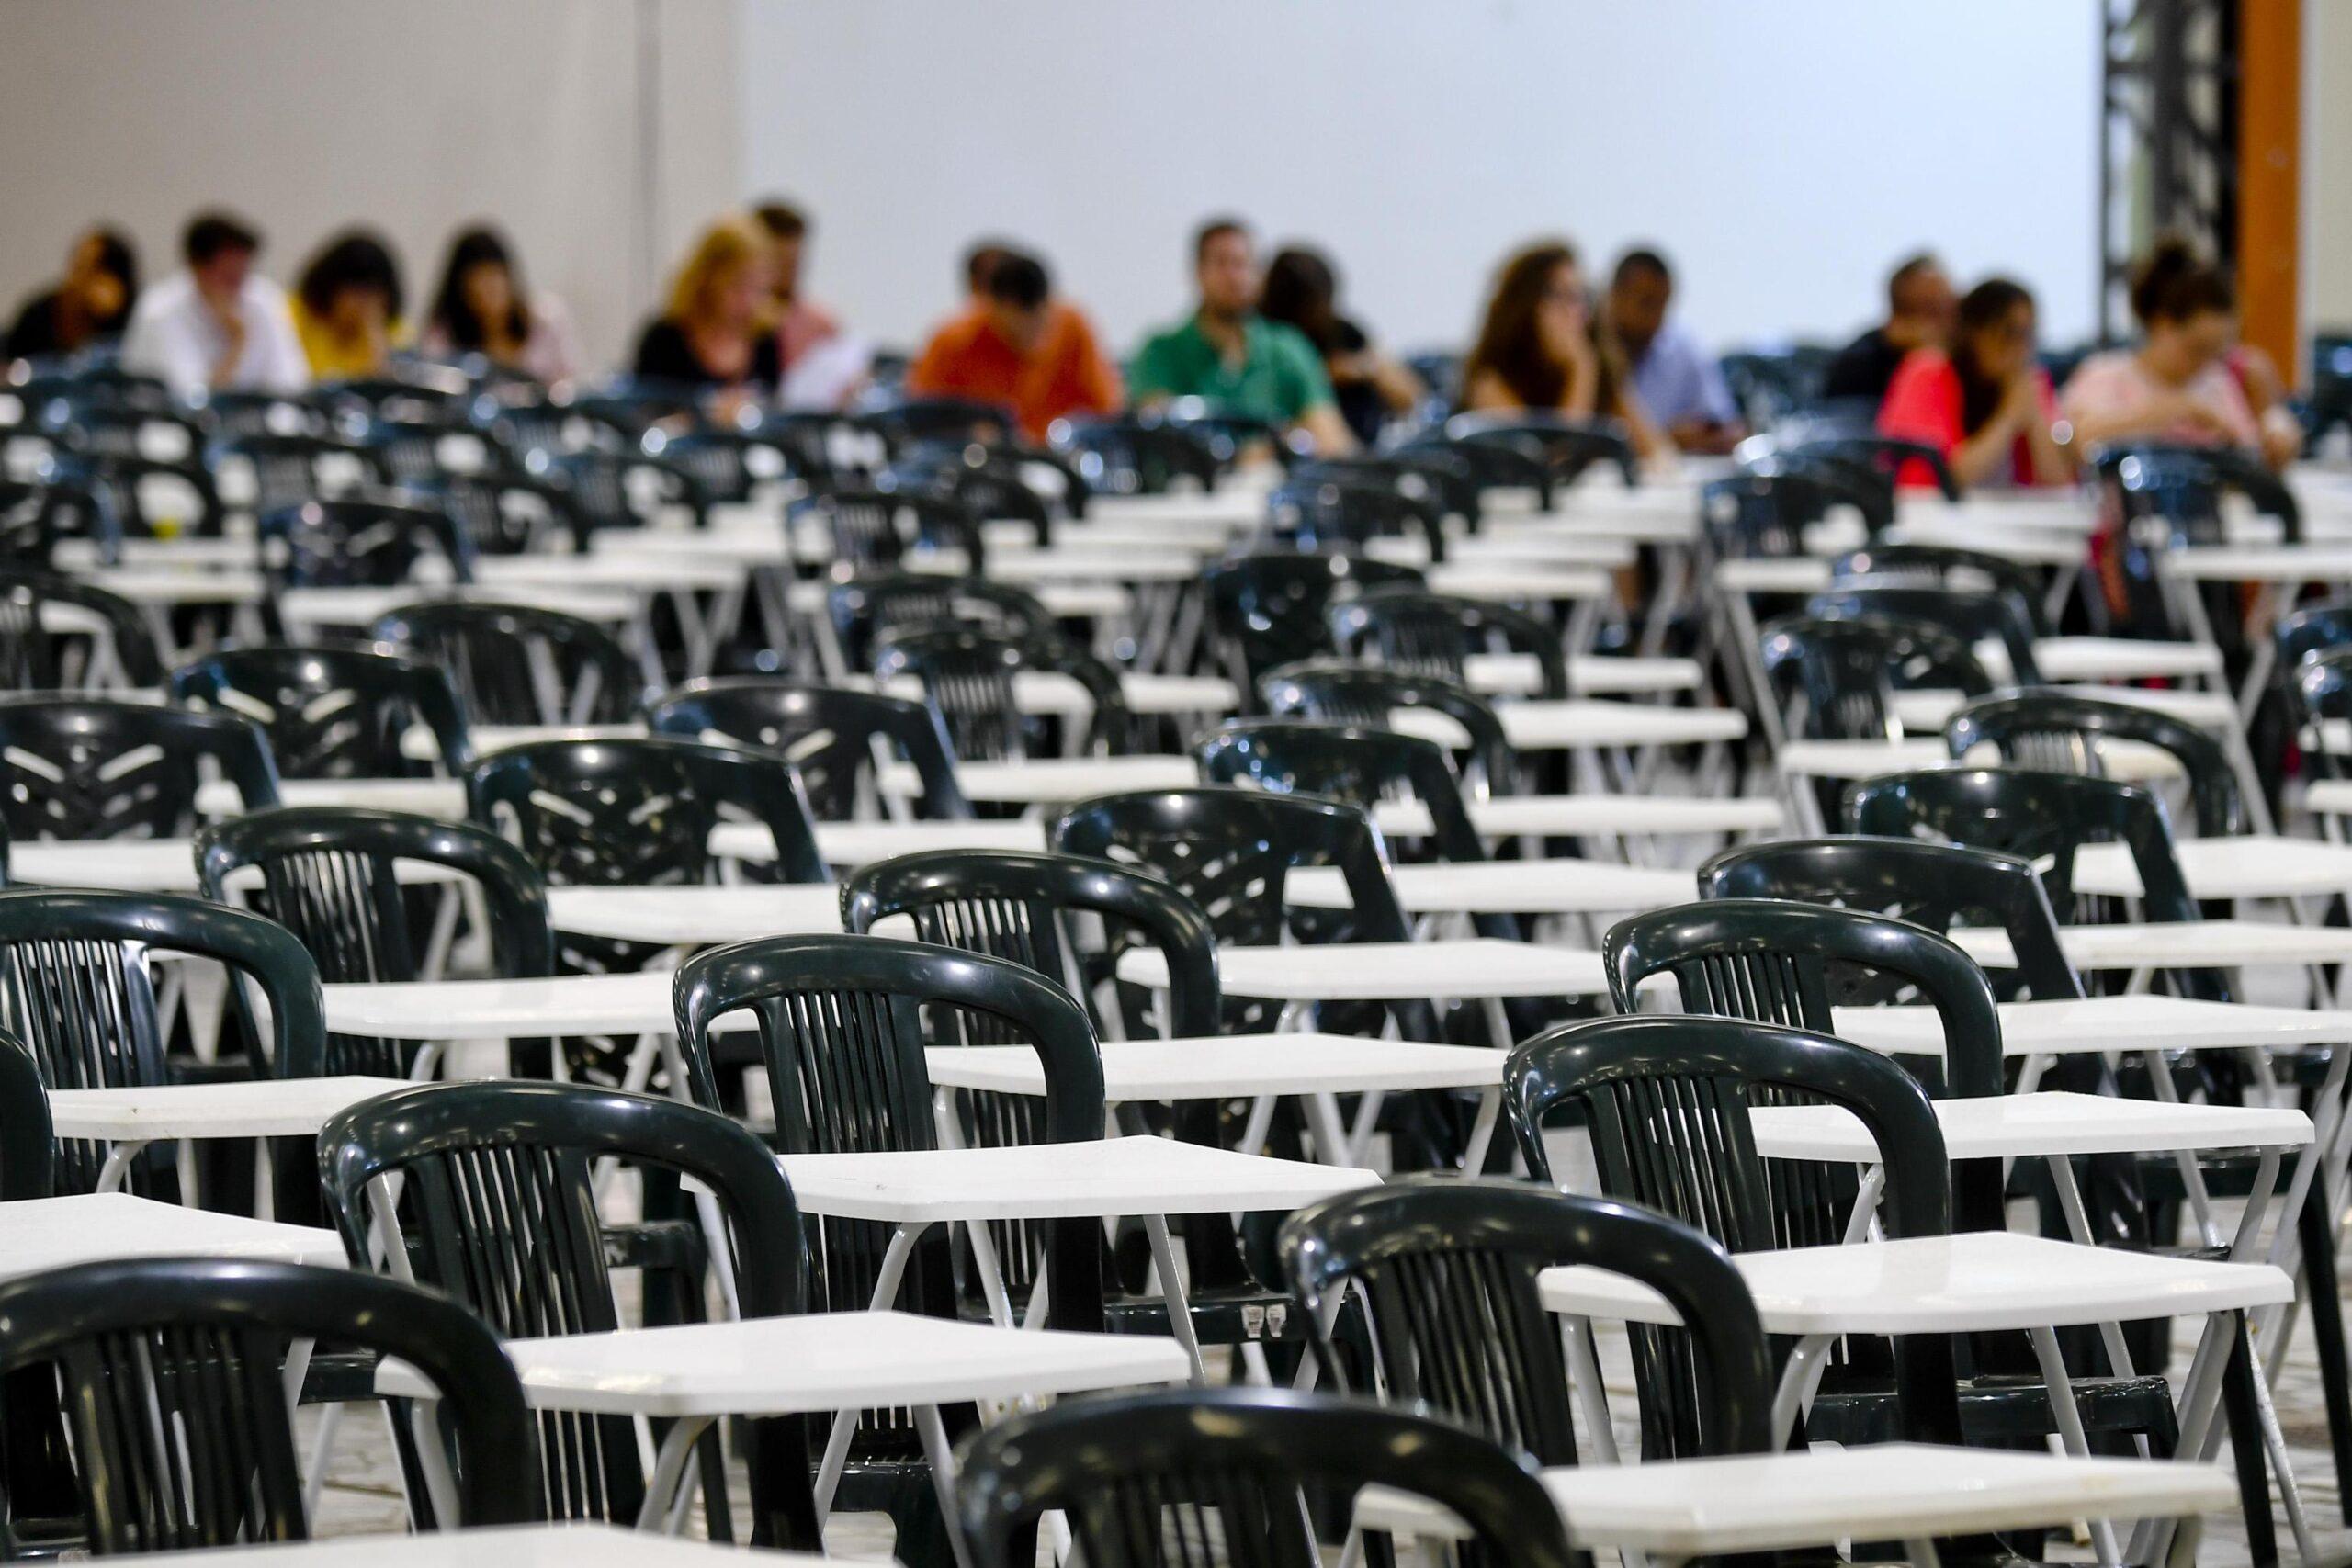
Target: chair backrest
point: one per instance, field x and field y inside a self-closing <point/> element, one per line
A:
<point x="873" y="605"/>
<point x="520" y="664"/>
<point x="619" y="490"/>
<point x="2322" y="687"/>
<point x="56" y="632"/>
<point x="1151" y="1480"/>
<point x="1135" y="456"/>
<point x="1566" y="447"/>
<point x="1849" y="669"/>
<point x="1890" y="456"/>
<point x="1347" y="763"/>
<point x="2320" y="628"/>
<point x="1490" y="465"/>
<point x="498" y="1209"/>
<point x="289" y="468"/>
<point x="172" y="1374"/>
<point x="622" y="812"/>
<point x="506" y="513"/>
<point x="986" y="480"/>
<point x="907" y="420"/>
<point x="1269" y="608"/>
<point x="881" y="527"/>
<point x="1447" y="1271"/>
<point x="1763" y="510"/>
<point x="332" y="712"/>
<point x="840" y="1023"/>
<point x="1665" y="1100"/>
<point x="1327" y="508"/>
<point x="1972" y="617"/>
<point x="329" y="875"/>
<point x="2060" y="732"/>
<point x="1014" y="905"/>
<point x="90" y="768"/>
<point x="1940" y="566"/>
<point x="1416" y="632"/>
<point x="969" y="678"/>
<point x="728" y="464"/>
<point x="377" y="543"/>
<point x="829" y="734"/>
<point x="1369" y="695"/>
<point x="27" y="1136"/>
<point x="143" y="497"/>
<point x="1937" y="886"/>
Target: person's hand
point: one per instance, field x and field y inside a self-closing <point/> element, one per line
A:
<point x="2020" y="403"/>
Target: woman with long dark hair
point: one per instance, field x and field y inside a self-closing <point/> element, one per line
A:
<point x="1537" y="351"/>
<point x="482" y="308"/>
<point x="1302" y="290"/>
<point x="90" y="305"/>
<point x="1984" y="404"/>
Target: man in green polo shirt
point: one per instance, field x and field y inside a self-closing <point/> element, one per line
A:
<point x="1234" y="358"/>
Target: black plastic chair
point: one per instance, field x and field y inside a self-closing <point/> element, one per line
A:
<point x="1764" y="509"/>
<point x="44" y="641"/>
<point x="1665" y="1100"/>
<point x="1942" y="565"/>
<point x="627" y="812"/>
<point x="332" y="712"/>
<point x="520" y="664"/>
<point x="172" y="1376"/>
<point x="840" y="1030"/>
<point x="2060" y="732"/>
<point x="2322" y="687"/>
<point x="968" y="677"/>
<point x="26" y="1134"/>
<point x="289" y="468"/>
<point x="328" y="876"/>
<point x="77" y="988"/>
<point x="1135" y="456"/>
<point x="124" y="484"/>
<point x="881" y="527"/>
<point x="1351" y="763"/>
<point x="910" y="421"/>
<point x="1322" y="507"/>
<point x="1566" y="447"/>
<point x="1890" y="456"/>
<point x="233" y="415"/>
<point x="1490" y="466"/>
<point x="1972" y="617"/>
<point x="1164" y="1480"/>
<point x="1367" y="694"/>
<point x="89" y="768"/>
<point x="1416" y="632"/>
<point x="1937" y="886"/>
<point x="728" y="464"/>
<point x="506" y="513"/>
<point x="871" y="605"/>
<point x="376" y="544"/>
<point x="36" y="514"/>
<point x="626" y="489"/>
<point x="986" y="480"/>
<point x="829" y="735"/>
<point x="1447" y="1272"/>
<point x="498" y="1197"/>
<point x="1848" y="670"/>
<point x="1269" y="608"/>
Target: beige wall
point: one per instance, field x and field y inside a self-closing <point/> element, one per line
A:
<point x="2327" y="165"/>
<point x="418" y="116"/>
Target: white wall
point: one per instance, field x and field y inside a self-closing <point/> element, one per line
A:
<point x="418" y="116"/>
<point x="2327" y="165"/>
<point x="1783" y="152"/>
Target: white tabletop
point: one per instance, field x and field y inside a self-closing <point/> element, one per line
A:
<point x="1580" y="722"/>
<point x="1773" y="574"/>
<point x="1390" y="971"/>
<point x="1237" y="507"/>
<point x="1517" y="583"/>
<point x="1051" y="781"/>
<point x="2064" y="511"/>
<point x="2255" y="865"/>
<point x="1510" y="551"/>
<point x="153" y="865"/>
<point x="2138" y="1022"/>
<point x="1063" y="601"/>
<point x="2027" y="547"/>
<point x="634" y="1003"/>
<point x="165" y="585"/>
<point x="258" y="1108"/>
<point x="640" y="572"/>
<point x="360" y="607"/>
<point x="1548" y="816"/>
<point x="860" y="843"/>
<point x="697" y="914"/>
<point x="444" y="798"/>
<point x="2333" y="797"/>
<point x="1100" y="1179"/>
<point x="1507" y="886"/>
<point x="527" y="1546"/>
<point x="1108" y="562"/>
<point x="2022" y="1125"/>
<point x="1706" y="1508"/>
<point x="2258" y="563"/>
<point x="2173" y="945"/>
<point x="2122" y="658"/>
<point x="38" y="1233"/>
<point x="827" y="1361"/>
<point x="1050" y="692"/>
<point x="1974" y="1281"/>
<point x="1860" y="758"/>
<point x="1234" y="1065"/>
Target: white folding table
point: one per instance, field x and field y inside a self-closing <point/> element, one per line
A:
<point x="41" y="1233"/>
<point x="851" y="844"/>
<point x="1588" y="815"/>
<point x="2251" y="865"/>
<point x="693" y="1374"/>
<point x="130" y="1119"/>
<point x="1049" y="781"/>
<point x="1590" y="675"/>
<point x="697" y="914"/>
<point x="444" y="798"/>
<point x="1580" y="724"/>
<point x="1505" y="886"/>
<point x="1474" y="968"/>
<point x="152" y="866"/>
<point x="1101" y="1179"/>
<point x="525" y="1546"/>
<point x="2172" y="945"/>
<point x="2072" y="1024"/>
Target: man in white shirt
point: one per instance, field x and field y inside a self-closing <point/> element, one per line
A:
<point x="215" y="326"/>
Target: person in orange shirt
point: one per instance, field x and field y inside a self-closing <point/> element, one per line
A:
<point x="1017" y="346"/>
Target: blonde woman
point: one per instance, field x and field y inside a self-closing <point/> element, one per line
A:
<point x="715" y="336"/>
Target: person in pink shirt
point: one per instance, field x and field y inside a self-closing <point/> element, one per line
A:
<point x="1984" y="404"/>
<point x="2177" y="385"/>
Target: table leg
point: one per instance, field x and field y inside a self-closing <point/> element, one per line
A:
<point x="1921" y="1551"/>
<point x="1592" y="1397"/>
<point x="1171" y="1288"/>
<point x="1482" y="1131"/>
<point x="670" y="1470"/>
<point x="117" y="1167"/>
<point x="1798" y="1380"/>
<point x="936" y="1447"/>
<point x="433" y="1460"/>
<point x="2078" y="1226"/>
<point x="2060" y="1388"/>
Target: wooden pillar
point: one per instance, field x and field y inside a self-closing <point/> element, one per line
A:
<point x="2270" y="101"/>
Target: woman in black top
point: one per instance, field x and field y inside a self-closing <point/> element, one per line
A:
<point x="90" y="305"/>
<point x="715" y="336"/>
<point x="1301" y="291"/>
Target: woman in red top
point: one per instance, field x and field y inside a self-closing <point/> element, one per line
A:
<point x="1986" y="405"/>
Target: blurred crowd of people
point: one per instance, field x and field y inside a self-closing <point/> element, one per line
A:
<point x="1265" y="338"/>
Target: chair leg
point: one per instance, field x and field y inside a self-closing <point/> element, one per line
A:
<point x="2246" y="1447"/>
<point x="2327" y="1331"/>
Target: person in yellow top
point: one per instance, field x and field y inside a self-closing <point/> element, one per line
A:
<point x="347" y="308"/>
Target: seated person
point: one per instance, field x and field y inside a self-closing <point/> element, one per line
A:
<point x="1919" y="305"/>
<point x="1986" y="405"/>
<point x="347" y="308"/>
<point x="1018" y="347"/>
<point x="1537" y="351"/>
<point x="216" y="326"/>
<point x="1234" y="358"/>
<point x="88" y="306"/>
<point x="1678" y="384"/>
<point x="1301" y="291"/>
<point x="716" y="336"/>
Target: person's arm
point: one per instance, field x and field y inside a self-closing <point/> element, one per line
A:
<point x="1151" y="378"/>
<point x="1307" y="389"/>
<point x="1922" y="404"/>
<point x="1327" y="430"/>
<point x="1486" y="392"/>
<point x="2096" y="425"/>
<point x="927" y="376"/>
<point x="2051" y="463"/>
<point x="1399" y="389"/>
<point x="284" y="366"/>
<point x="1715" y="425"/>
<point x="1650" y="443"/>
